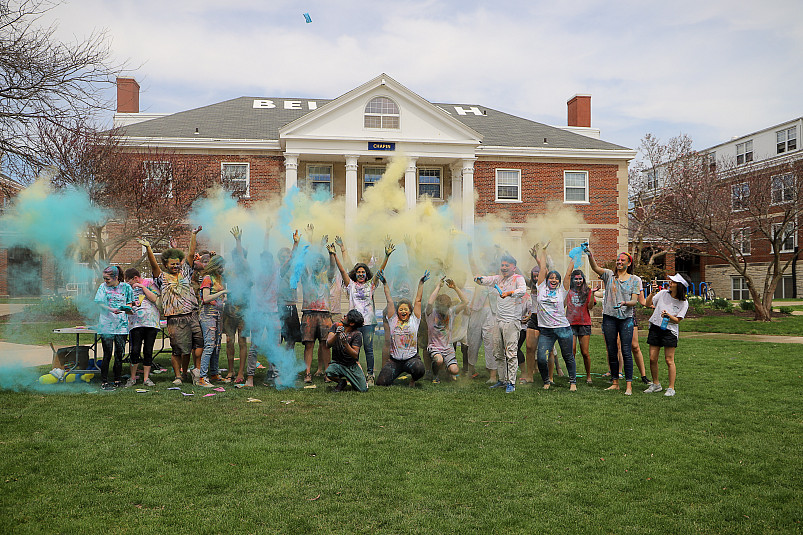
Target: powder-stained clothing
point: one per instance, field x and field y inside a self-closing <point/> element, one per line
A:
<point x="403" y="337"/>
<point x="114" y="297"/>
<point x="509" y="308"/>
<point x="214" y="286"/>
<point x="146" y="313"/>
<point x="616" y="292"/>
<point x="361" y="298"/>
<point x="439" y="329"/>
<point x="551" y="311"/>
<point x="576" y="310"/>
<point x="178" y="295"/>
<point x="315" y="287"/>
<point x="354" y="339"/>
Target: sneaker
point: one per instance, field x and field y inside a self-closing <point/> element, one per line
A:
<point x="118" y="384"/>
<point x="436" y="380"/>
<point x="369" y="380"/>
<point x="509" y="389"/>
<point x="498" y="384"/>
<point x="130" y="382"/>
<point x="177" y="381"/>
<point x="196" y="375"/>
<point x="669" y="392"/>
<point x="654" y="387"/>
<point x="148" y="382"/>
<point x="204" y="382"/>
<point x="107" y="386"/>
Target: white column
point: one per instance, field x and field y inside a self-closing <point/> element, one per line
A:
<point x="351" y="194"/>
<point x="468" y="196"/>
<point x="410" y="189"/>
<point x="290" y="171"/>
<point x="457" y="191"/>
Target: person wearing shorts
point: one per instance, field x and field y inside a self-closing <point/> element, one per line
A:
<point x="316" y="320"/>
<point x="440" y="321"/>
<point x="579" y="302"/>
<point x="179" y="306"/>
<point x="670" y="308"/>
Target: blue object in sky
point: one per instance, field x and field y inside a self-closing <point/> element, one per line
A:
<point x="307" y="18"/>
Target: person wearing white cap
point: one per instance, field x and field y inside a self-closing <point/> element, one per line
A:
<point x="670" y="307"/>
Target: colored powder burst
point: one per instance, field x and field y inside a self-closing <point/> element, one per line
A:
<point x="48" y="221"/>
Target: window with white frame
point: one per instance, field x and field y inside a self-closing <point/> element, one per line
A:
<point x="739" y="289"/>
<point x="508" y="185"/>
<point x="785" y="288"/>
<point x="381" y="112"/>
<point x="787" y="139"/>
<point x="236" y="178"/>
<point x="783" y="188"/>
<point x="571" y="243"/>
<point x="159" y="175"/>
<point x="429" y="182"/>
<point x="652" y="180"/>
<point x="787" y="235"/>
<point x="370" y="176"/>
<point x="740" y="238"/>
<point x="739" y="196"/>
<point x="575" y="186"/>
<point x="744" y="152"/>
<point x="319" y="178"/>
<point x="711" y="161"/>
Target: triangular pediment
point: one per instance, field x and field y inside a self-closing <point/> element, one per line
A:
<point x="344" y="118"/>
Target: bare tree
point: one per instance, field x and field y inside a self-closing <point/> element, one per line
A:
<point x="745" y="215"/>
<point x="145" y="193"/>
<point x="43" y="80"/>
<point x="647" y="191"/>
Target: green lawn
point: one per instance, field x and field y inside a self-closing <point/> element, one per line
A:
<point x="784" y="325"/>
<point x="721" y="456"/>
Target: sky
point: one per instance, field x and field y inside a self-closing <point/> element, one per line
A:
<point x="712" y="69"/>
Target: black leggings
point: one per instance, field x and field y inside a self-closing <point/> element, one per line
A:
<point x="395" y="368"/>
<point x="112" y="343"/>
<point x="138" y="337"/>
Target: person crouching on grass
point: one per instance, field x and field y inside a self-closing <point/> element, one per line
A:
<point x="345" y="340"/>
<point x="440" y="320"/>
<point x="670" y="307"/>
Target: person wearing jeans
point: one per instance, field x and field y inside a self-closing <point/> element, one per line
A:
<point x="552" y="322"/>
<point x="213" y="294"/>
<point x="621" y="295"/>
<point x="115" y="299"/>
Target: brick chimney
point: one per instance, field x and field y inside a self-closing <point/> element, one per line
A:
<point x="127" y="95"/>
<point x="579" y="108"/>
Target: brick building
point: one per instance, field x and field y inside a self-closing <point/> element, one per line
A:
<point x="490" y="161"/>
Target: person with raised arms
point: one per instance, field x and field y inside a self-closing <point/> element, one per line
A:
<point x="552" y="322"/>
<point x="360" y="284"/>
<point x="621" y="295"/>
<point x="179" y="306"/>
<point x="404" y="321"/>
<point x="440" y="321"/>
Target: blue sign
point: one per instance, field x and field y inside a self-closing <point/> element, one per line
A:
<point x="381" y="145"/>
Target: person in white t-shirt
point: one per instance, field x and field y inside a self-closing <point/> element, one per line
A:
<point x="670" y="307"/>
<point x="552" y="322"/>
<point x="404" y="320"/>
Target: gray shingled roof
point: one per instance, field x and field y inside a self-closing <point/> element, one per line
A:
<point x="237" y="119"/>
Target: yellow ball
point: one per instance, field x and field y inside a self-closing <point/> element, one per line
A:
<point x="48" y="379"/>
<point x="86" y="377"/>
<point x="70" y="378"/>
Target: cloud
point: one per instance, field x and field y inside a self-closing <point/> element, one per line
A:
<point x="720" y="68"/>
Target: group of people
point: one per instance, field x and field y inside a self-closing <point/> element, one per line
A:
<point x="201" y="298"/>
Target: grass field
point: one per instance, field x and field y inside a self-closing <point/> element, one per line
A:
<point x="721" y="456"/>
<point x="783" y="325"/>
